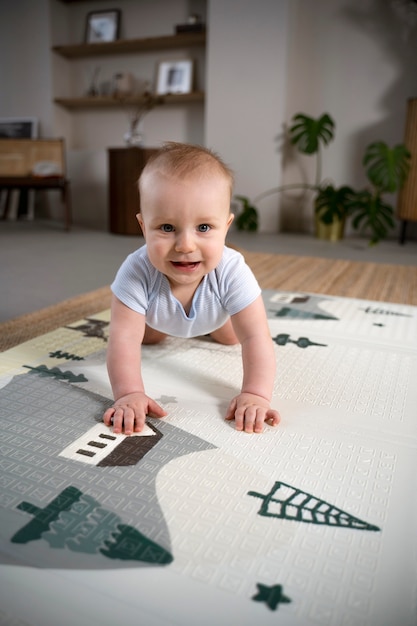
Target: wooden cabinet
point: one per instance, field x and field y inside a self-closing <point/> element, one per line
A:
<point x="125" y="166"/>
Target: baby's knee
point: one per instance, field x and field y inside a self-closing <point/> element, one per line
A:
<point x="226" y="341"/>
<point x="225" y="335"/>
<point x="152" y="336"/>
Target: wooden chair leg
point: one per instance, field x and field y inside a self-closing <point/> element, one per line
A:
<point x="403" y="232"/>
<point x="66" y="199"/>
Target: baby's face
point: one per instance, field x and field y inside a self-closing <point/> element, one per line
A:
<point x="185" y="223"/>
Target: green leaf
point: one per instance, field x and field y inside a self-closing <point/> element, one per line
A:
<point x="308" y="133"/>
<point x="248" y="218"/>
<point x="387" y="168"/>
<point x="334" y="203"/>
<point x="374" y="215"/>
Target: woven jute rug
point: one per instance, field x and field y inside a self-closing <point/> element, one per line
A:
<point x="372" y="281"/>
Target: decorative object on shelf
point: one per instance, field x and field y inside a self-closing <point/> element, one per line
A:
<point x="102" y="26"/>
<point x="105" y="88"/>
<point x="93" y="74"/>
<point x="105" y="98"/>
<point x="194" y="24"/>
<point x="174" y="77"/>
<point x="134" y="136"/>
<point x="123" y="84"/>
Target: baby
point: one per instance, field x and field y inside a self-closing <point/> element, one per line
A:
<point x="185" y="282"/>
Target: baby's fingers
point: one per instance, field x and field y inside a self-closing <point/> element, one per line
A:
<point x="123" y="418"/>
<point x="230" y="415"/>
<point x="108" y="416"/>
<point x="272" y="417"/>
<point x="254" y="419"/>
<point x="155" y="410"/>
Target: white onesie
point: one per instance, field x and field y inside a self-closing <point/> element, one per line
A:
<point x="225" y="291"/>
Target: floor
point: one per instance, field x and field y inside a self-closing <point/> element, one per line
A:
<point x="308" y="524"/>
<point x="41" y="264"/>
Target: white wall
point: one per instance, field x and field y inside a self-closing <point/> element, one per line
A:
<point x="354" y="59"/>
<point x="25" y="79"/>
<point x="246" y="78"/>
<point x="266" y="60"/>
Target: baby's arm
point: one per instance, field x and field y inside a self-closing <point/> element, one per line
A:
<point x="251" y="408"/>
<point x="131" y="404"/>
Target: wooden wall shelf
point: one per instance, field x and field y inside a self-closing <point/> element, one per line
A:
<point x="126" y="46"/>
<point x="108" y="102"/>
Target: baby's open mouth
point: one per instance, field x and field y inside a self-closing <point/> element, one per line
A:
<point x="186" y="264"/>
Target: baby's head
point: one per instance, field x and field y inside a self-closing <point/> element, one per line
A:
<point x="185" y="194"/>
<point x="181" y="161"/>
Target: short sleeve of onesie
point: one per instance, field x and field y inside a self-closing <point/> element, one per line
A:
<point x="225" y="291"/>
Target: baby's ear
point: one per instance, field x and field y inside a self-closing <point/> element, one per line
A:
<point x="230" y="219"/>
<point x="140" y="222"/>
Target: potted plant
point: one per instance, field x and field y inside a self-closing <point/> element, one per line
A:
<point x="309" y="135"/>
<point x="248" y="218"/>
<point x="332" y="207"/>
<point x="386" y="169"/>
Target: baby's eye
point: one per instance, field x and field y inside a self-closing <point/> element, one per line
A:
<point x="204" y="228"/>
<point x="167" y="228"/>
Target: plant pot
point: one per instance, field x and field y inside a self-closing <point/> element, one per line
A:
<point x="331" y="232"/>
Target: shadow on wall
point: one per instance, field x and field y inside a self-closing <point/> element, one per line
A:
<point x="393" y="24"/>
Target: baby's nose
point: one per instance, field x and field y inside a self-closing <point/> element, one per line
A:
<point x="185" y="242"/>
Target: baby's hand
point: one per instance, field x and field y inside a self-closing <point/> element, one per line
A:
<point x="250" y="412"/>
<point x="130" y="411"/>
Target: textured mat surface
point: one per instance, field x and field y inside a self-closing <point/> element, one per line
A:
<point x="193" y="523"/>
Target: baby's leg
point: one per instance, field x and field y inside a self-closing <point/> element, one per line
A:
<point x="225" y="334"/>
<point x="152" y="336"/>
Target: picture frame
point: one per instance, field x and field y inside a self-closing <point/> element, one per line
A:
<point x="174" y="76"/>
<point x="102" y="26"/>
<point x="19" y="127"/>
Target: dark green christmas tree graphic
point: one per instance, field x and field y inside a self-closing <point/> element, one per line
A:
<point x="68" y="356"/>
<point x="55" y="372"/>
<point x="272" y="596"/>
<point x="303" y="342"/>
<point x="79" y="523"/>
<point x="286" y="502"/>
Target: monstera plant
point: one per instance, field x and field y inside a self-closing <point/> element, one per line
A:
<point x="309" y="135"/>
<point x="386" y="169"/>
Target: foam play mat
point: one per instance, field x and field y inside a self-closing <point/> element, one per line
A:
<point x="193" y="523"/>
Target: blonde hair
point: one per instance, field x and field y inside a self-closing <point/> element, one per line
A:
<point x="183" y="160"/>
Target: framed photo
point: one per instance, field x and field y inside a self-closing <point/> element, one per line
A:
<point x="102" y="26"/>
<point x="18" y="127"/>
<point x="174" y="77"/>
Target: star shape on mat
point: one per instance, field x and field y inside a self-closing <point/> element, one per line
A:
<point x="167" y="399"/>
<point x="272" y="596"/>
